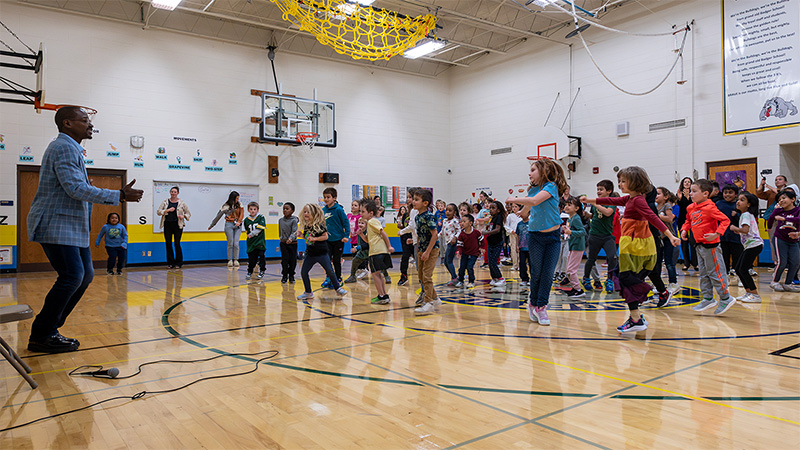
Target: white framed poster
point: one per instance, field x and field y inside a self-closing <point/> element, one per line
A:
<point x="761" y="64"/>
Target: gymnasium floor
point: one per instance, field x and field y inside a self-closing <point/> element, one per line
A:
<point x="350" y="375"/>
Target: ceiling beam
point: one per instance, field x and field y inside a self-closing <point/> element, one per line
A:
<point x="433" y="8"/>
<point x="229" y="41"/>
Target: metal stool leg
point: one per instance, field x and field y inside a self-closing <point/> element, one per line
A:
<point x="14" y="359"/>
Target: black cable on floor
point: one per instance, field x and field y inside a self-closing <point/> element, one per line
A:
<point x="141" y="394"/>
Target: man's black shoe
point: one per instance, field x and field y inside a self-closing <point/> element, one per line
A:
<point x="64" y="338"/>
<point x="52" y="344"/>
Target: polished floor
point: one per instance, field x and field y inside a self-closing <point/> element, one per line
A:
<point x="478" y="374"/>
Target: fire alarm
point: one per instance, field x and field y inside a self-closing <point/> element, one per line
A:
<point x="595" y="170"/>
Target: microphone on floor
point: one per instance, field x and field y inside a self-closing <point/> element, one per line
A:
<point x="106" y="373"/>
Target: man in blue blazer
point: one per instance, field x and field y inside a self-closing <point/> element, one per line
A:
<point x="59" y="219"/>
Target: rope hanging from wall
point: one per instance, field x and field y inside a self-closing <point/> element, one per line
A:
<point x="361" y="32"/>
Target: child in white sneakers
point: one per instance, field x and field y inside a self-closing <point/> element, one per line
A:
<point x="747" y="205"/>
<point x="707" y="224"/>
<point x="427" y="250"/>
<point x="315" y="233"/>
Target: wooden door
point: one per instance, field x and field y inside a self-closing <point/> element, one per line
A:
<point x="31" y="255"/>
<point x="105" y="180"/>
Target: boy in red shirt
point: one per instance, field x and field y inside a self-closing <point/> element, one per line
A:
<point x="707" y="223"/>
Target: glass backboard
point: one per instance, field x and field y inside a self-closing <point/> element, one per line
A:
<point x="282" y="117"/>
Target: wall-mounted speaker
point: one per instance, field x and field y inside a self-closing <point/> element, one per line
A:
<point x="329" y="178"/>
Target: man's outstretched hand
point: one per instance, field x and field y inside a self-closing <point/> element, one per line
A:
<point x="130" y="194"/>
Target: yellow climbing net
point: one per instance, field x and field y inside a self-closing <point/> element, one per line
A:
<point x="355" y="30"/>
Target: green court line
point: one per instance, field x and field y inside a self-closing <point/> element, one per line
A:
<point x="168" y="327"/>
<point x="516" y="391"/>
<point x="343" y="375"/>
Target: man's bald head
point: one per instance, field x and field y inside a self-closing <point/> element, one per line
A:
<point x="66" y="113"/>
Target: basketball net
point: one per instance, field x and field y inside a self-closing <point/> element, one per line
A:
<point x="307" y="141"/>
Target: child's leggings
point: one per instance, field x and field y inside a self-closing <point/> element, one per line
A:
<point x="744" y="265"/>
<point x="324" y="260"/>
<point x="788" y="258"/>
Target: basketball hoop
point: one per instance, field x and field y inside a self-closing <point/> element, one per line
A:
<point x="536" y="158"/>
<point x="50" y="107"/>
<point x="307" y="140"/>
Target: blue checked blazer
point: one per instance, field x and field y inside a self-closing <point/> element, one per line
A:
<point x="62" y="208"/>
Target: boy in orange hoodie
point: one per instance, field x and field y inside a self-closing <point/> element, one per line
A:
<point x="707" y="223"/>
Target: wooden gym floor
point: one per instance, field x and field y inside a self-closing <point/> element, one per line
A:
<point x="350" y="375"/>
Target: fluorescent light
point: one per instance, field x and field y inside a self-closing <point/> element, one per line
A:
<point x="348" y="7"/>
<point x="540" y="3"/>
<point x="423" y="49"/>
<point x="169" y="5"/>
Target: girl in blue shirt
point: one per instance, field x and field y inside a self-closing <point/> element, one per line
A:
<point x="544" y="243"/>
<point x="116" y="243"/>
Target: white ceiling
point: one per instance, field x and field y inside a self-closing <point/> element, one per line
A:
<point x="472" y="28"/>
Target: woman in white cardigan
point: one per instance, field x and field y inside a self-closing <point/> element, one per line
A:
<point x="174" y="214"/>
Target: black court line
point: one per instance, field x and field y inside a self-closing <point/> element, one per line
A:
<point x="786" y="350"/>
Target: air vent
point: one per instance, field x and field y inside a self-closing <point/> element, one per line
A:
<point x="667" y="125"/>
<point x="500" y="151"/>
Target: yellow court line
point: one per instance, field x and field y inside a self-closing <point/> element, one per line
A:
<point x="463" y="342"/>
<point x="635" y="383"/>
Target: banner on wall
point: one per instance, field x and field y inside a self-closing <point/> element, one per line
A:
<point x="761" y="64"/>
<point x="386" y="195"/>
<point x="391" y="196"/>
<point x="398" y="196"/>
<point x="369" y="191"/>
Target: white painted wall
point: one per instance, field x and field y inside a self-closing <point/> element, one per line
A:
<point x="497" y="102"/>
<point x="392" y="128"/>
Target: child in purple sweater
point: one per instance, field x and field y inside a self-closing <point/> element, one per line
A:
<point x="787" y="216"/>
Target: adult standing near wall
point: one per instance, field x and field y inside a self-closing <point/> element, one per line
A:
<point x="59" y="219"/>
<point x="769" y="193"/>
<point x="234" y="215"/>
<point x="687" y="247"/>
<point x="174" y="214"/>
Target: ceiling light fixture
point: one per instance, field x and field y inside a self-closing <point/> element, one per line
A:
<point x="169" y="5"/>
<point x="426" y="47"/>
<point x="540" y="3"/>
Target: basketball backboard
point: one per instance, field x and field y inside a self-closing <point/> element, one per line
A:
<point x="34" y="62"/>
<point x="548" y="142"/>
<point x="282" y="117"/>
<point x="41" y="69"/>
